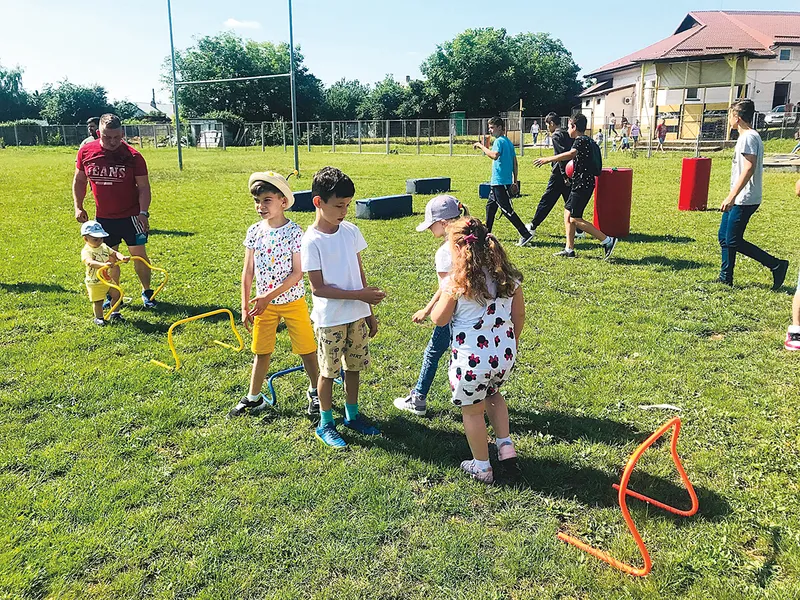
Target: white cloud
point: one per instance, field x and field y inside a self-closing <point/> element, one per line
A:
<point x="236" y="24"/>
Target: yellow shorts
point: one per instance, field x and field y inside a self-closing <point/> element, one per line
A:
<point x="295" y="315"/>
<point x="348" y="343"/>
<point x="97" y="291"/>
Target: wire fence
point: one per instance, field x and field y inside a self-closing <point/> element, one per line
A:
<point x="685" y="130"/>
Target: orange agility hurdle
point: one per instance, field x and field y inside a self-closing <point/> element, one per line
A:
<point x="623" y="504"/>
<point x="194" y="318"/>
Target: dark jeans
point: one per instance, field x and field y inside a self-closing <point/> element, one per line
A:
<point x="556" y="186"/>
<point x="437" y="346"/>
<point x="731" y="240"/>
<point x="498" y="197"/>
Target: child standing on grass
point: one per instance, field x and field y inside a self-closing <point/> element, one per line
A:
<point x="96" y="255"/>
<point x="439" y="213"/>
<point x="482" y="301"/>
<point x="342" y="312"/>
<point x="793" y="335"/>
<point x="272" y="256"/>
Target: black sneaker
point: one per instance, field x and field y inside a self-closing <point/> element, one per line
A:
<point x="779" y="274"/>
<point x="565" y="253"/>
<point x="147" y="299"/>
<point x="609" y="248"/>
<point x="313" y="402"/>
<point x="115" y="317"/>
<point x="245" y="406"/>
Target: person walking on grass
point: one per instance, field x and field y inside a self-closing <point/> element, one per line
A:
<point x="535" y="132"/>
<point x="121" y="189"/>
<point x="96" y="255"/>
<point x="793" y="334"/>
<point x="588" y="163"/>
<point x="504" y="179"/>
<point x="92" y="126"/>
<point x="482" y="301"/>
<point x="745" y="198"/>
<point x="439" y="213"/>
<point x="342" y="312"/>
<point x="661" y="134"/>
<point x="272" y="257"/>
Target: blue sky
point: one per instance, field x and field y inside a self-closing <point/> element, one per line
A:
<point x="122" y="45"/>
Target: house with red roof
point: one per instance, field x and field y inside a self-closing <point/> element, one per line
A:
<point x="690" y="78"/>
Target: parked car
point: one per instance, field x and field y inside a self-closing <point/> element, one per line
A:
<point x="778" y="117"/>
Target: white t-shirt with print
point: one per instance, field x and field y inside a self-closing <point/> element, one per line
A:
<point x="272" y="255"/>
<point x="444" y="258"/>
<point x="749" y="142"/>
<point x="336" y="256"/>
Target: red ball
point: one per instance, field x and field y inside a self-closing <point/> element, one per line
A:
<point x="570" y="169"/>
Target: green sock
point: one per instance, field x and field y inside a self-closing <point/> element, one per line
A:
<point x="351" y="410"/>
<point x="325" y="417"/>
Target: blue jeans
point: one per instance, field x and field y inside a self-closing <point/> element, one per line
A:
<point x="731" y="240"/>
<point x="437" y="346"/>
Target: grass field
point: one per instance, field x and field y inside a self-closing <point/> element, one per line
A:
<point x="119" y="479"/>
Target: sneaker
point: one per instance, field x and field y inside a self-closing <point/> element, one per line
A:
<point x="115" y="317"/>
<point x="329" y="436"/>
<point x="147" y="299"/>
<point x="531" y="228"/>
<point x="413" y="403"/>
<point x="792" y="341"/>
<point x="361" y="426"/>
<point x="565" y="253"/>
<point x="100" y="322"/>
<point x="506" y="451"/>
<point x="107" y="302"/>
<point x="609" y="248"/>
<point x="313" y="402"/>
<point x="253" y="407"/>
<point x="779" y="274"/>
<point x="484" y="476"/>
<point x="524" y="241"/>
<point x="579" y="235"/>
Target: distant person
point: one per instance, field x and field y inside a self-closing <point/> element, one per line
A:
<point x="661" y="134"/>
<point x="588" y="163"/>
<point x="745" y="198"/>
<point x="625" y="140"/>
<point x="636" y="131"/>
<point x="92" y="127"/>
<point x="598" y="137"/>
<point x="793" y="334"/>
<point x="121" y="188"/>
<point x="612" y="125"/>
<point x="504" y="179"/>
<point x="535" y="132"/>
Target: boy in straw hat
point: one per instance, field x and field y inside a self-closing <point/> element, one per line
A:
<point x="272" y="255"/>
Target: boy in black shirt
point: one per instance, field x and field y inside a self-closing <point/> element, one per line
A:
<point x="582" y="188"/>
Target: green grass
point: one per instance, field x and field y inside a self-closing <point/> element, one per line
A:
<point x="119" y="479"/>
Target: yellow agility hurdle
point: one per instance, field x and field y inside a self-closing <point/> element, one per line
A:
<point x="195" y="318"/>
<point x="100" y="275"/>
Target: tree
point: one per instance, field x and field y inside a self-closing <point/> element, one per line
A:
<point x="70" y="103"/>
<point x="343" y="99"/>
<point x="486" y="71"/>
<point x="226" y="56"/>
<point x="15" y="102"/>
<point x="384" y="100"/>
<point x="126" y="110"/>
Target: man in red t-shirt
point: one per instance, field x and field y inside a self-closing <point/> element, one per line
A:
<point x="121" y="189"/>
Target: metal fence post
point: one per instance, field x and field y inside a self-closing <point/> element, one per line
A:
<point x="333" y="136"/>
<point x="387" y="137"/>
<point x="224" y="147"/>
<point x="16" y="137"/>
<point x="41" y="135"/>
<point x="450" y="126"/>
<point x="359" y="137"/>
<point x="308" y="134"/>
<point x="169" y="135"/>
<point x="262" y="136"/>
<point x="64" y="135"/>
<point x="283" y="129"/>
<point x="417" y="136"/>
<point x="605" y="140"/>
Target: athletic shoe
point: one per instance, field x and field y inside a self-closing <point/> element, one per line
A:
<point x="107" y="302"/>
<point x="779" y="274"/>
<point x="579" y="235"/>
<point x="147" y="299"/>
<point x="115" y="317"/>
<point x="361" y="426"/>
<point x="329" y="436"/>
<point x="246" y="406"/>
<point x="792" y="341"/>
<point x="609" y="248"/>
<point x="524" y="241"/>
<point x="506" y="451"/>
<point x="413" y="403"/>
<point x="100" y="322"/>
<point x="471" y="469"/>
<point x="313" y="402"/>
<point x="531" y="228"/>
<point x="565" y="253"/>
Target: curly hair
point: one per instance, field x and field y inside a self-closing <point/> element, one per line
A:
<point x="476" y="254"/>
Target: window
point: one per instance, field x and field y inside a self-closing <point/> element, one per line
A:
<point x="691" y="94"/>
<point x="587" y="103"/>
<point x="599" y="101"/>
<point x="786" y="54"/>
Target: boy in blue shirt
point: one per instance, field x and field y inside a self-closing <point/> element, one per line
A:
<point x="504" y="177"/>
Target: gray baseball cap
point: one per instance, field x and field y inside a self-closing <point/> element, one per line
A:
<point x="440" y="208"/>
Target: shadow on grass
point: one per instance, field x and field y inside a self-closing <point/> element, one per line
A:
<point x="171" y="232"/>
<point x="27" y="287"/>
<point x="151" y="321"/>
<point x="675" y="264"/>
<point x="571" y="428"/>
<point x="549" y="477"/>
<point x="187" y="310"/>
<point x="649" y="238"/>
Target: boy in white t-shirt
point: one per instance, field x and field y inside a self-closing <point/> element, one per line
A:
<point x="342" y="311"/>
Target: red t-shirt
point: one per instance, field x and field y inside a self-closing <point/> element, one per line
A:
<point x="111" y="175"/>
<point x="661" y="131"/>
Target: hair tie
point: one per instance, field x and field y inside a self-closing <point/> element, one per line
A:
<point x="470" y="238"/>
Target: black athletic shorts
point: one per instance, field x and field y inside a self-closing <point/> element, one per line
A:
<point x="127" y="230"/>
<point x="577" y="202"/>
